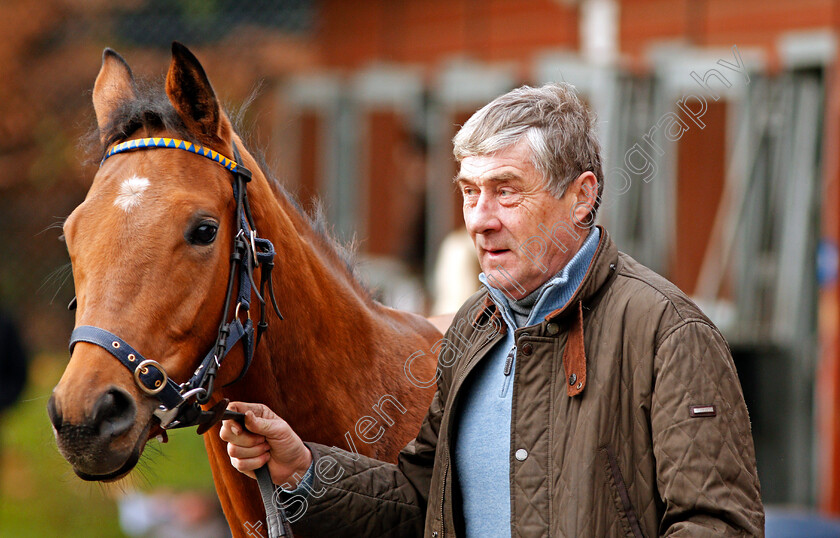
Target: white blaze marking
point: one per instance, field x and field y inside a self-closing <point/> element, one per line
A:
<point x="130" y="192"/>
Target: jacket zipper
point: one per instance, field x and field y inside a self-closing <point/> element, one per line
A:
<point x="509" y="360"/>
<point x="443" y="495"/>
<point x="508" y="368"/>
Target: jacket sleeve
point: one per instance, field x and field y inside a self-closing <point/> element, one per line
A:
<point x="353" y="495"/>
<point x="705" y="465"/>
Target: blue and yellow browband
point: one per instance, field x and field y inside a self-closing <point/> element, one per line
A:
<point x="146" y="143"/>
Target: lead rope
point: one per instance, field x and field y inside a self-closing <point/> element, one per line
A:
<point x="275" y="517"/>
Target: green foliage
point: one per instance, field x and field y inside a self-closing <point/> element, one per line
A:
<point x="41" y="496"/>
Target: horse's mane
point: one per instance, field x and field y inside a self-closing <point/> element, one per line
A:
<point x="151" y="109"/>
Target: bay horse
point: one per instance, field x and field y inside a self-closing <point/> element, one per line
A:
<point x="150" y="248"/>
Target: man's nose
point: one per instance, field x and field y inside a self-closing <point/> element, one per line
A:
<point x="482" y="217"/>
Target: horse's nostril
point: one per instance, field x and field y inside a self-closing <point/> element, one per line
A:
<point x="54" y="413"/>
<point x="113" y="413"/>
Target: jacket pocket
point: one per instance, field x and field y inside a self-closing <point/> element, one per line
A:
<point x="621" y="497"/>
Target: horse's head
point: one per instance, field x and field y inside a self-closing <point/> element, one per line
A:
<point x="150" y="248"/>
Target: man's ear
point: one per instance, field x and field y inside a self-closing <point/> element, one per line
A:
<point x="114" y="86"/>
<point x="585" y="190"/>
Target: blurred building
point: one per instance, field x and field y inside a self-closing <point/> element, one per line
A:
<point x="720" y="122"/>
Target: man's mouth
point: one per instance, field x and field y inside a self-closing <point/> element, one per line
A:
<point x="495" y="253"/>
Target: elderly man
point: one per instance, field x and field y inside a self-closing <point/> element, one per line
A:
<point x="588" y="397"/>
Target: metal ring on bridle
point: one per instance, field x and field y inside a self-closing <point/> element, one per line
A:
<point x="236" y="312"/>
<point x="142" y="368"/>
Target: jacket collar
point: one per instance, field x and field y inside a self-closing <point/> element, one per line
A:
<point x="601" y="270"/>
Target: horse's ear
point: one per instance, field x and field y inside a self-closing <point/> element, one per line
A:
<point x="114" y="85"/>
<point x="191" y="94"/>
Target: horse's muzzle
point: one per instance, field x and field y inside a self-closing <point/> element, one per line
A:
<point x="94" y="446"/>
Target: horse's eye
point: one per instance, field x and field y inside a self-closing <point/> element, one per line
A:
<point x="203" y="234"/>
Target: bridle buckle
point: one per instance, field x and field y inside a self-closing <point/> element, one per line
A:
<point x="143" y="369"/>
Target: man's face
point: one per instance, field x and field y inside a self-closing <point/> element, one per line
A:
<point x="505" y="204"/>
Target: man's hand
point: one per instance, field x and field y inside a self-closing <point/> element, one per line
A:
<point x="268" y="439"/>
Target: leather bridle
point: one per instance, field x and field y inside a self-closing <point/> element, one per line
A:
<point x="179" y="403"/>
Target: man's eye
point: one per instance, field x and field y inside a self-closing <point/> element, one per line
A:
<point x="203" y="234"/>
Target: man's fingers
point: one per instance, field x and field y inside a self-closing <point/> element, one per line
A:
<point x="259" y="419"/>
<point x="245" y="452"/>
<point x="247" y="466"/>
<point x="233" y="432"/>
<point x="243" y="407"/>
<point x="272" y="428"/>
<point x="259" y="410"/>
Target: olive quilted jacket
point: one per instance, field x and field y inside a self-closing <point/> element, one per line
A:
<point x="627" y="420"/>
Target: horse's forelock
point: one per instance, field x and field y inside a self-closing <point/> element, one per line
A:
<point x="151" y="109"/>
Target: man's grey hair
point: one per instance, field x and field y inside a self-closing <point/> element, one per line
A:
<point x="559" y="128"/>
